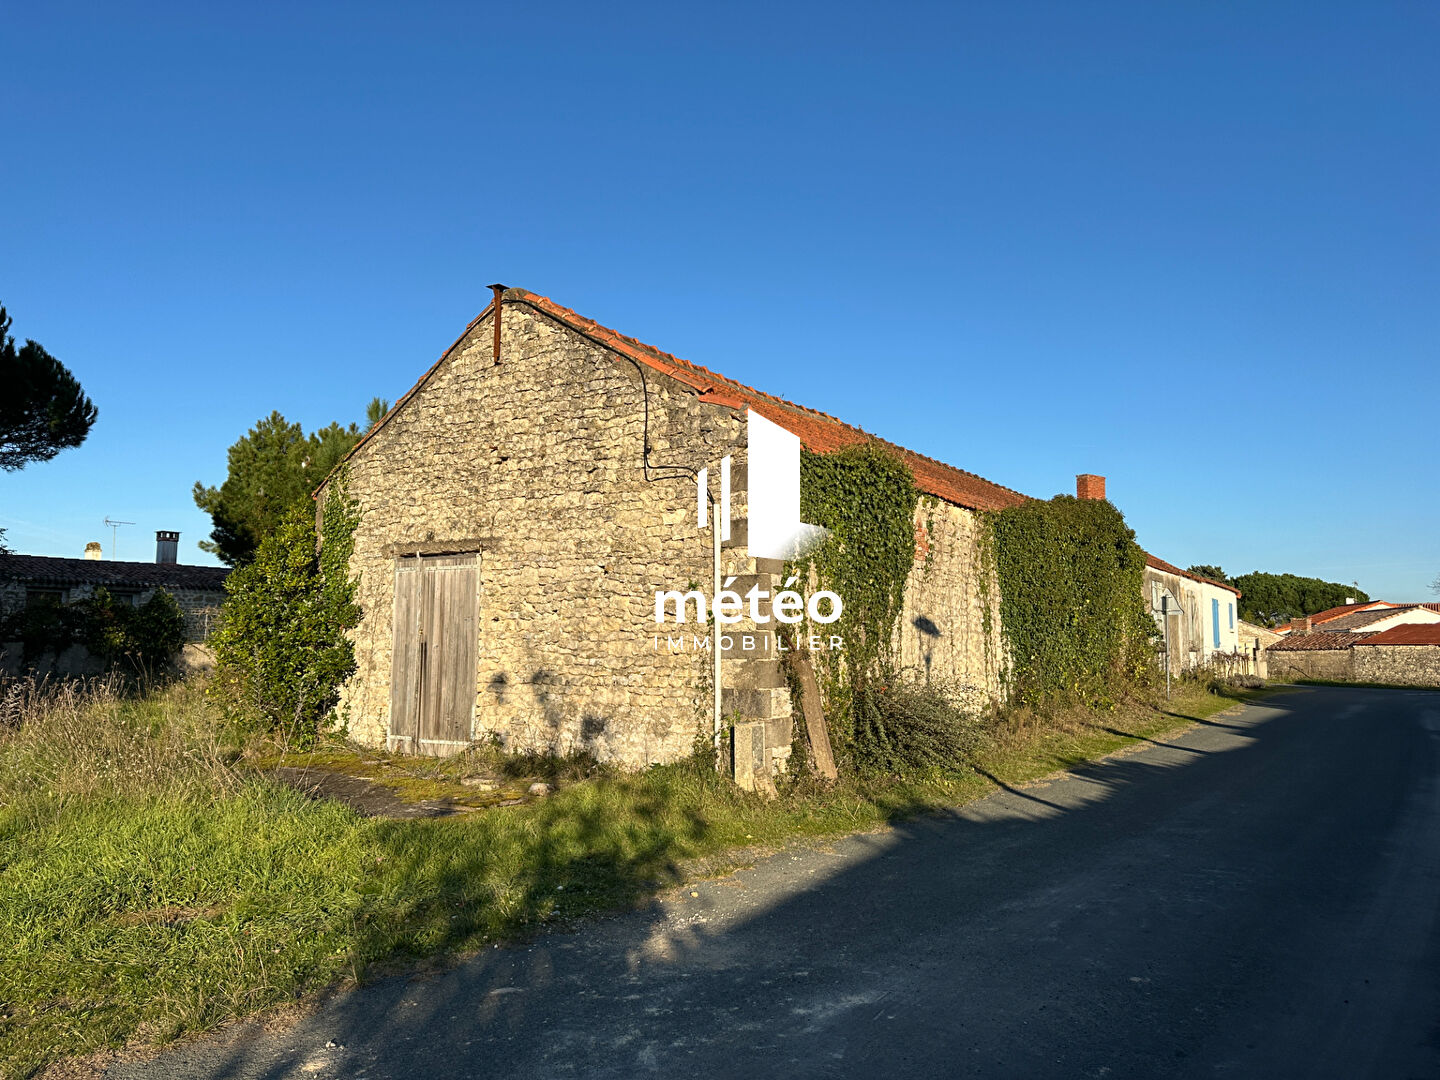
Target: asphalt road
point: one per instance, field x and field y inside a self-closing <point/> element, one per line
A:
<point x="1255" y="898"/>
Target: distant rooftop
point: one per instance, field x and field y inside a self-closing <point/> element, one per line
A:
<point x="49" y="570"/>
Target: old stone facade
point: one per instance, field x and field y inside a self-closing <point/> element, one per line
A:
<point x="27" y="579"/>
<point x="1400" y="665"/>
<point x="942" y="630"/>
<point x="1202" y="615"/>
<point x="533" y="466"/>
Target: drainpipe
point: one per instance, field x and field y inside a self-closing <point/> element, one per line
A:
<point x="715" y="624"/>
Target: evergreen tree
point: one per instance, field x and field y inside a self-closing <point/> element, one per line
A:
<point x="43" y="410"/>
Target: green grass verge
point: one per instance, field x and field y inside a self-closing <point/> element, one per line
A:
<point x="149" y="888"/>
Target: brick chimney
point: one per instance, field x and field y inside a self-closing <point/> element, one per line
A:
<point x="1089" y="486"/>
<point x="166" y="546"/>
<point x="1300" y="626"/>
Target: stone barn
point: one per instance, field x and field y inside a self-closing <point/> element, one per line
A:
<point x="528" y="498"/>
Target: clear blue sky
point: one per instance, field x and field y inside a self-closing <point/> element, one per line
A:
<point x="1192" y="247"/>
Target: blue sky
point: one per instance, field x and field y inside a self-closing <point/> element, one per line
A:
<point x="1192" y="247"/>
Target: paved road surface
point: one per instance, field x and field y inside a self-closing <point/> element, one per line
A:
<point x="1255" y="898"/>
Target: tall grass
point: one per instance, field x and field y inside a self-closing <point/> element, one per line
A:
<point x="150" y="884"/>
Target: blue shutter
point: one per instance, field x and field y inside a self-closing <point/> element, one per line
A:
<point x="1215" y="620"/>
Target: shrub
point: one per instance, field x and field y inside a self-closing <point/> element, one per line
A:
<point x="903" y="725"/>
<point x="282" y="650"/>
<point x="143" y="637"/>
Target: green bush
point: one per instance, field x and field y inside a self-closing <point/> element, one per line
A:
<point x="1071" y="601"/>
<point x="282" y="651"/>
<point x="142" y="638"/>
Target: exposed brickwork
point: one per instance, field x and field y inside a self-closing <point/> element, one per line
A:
<point x="1089" y="486"/>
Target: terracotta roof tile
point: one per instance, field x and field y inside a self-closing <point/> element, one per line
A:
<point x="1349" y="609"/>
<point x="1413" y="634"/>
<point x="1156" y="563"/>
<point x="1360" y="619"/>
<point x="1317" y="641"/>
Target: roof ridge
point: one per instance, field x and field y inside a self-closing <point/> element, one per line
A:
<point x="557" y="310"/>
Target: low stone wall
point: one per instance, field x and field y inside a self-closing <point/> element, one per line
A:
<point x="1404" y="665"/>
<point x="1329" y="664"/>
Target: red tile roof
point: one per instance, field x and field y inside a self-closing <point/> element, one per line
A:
<point x="1317" y="641"/>
<point x="1413" y="634"/>
<point x="819" y="432"/>
<point x="1349" y="609"/>
<point x="1170" y="568"/>
<point x="1361" y="619"/>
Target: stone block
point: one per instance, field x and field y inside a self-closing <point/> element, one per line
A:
<point x="754" y="675"/>
<point x="757" y="704"/>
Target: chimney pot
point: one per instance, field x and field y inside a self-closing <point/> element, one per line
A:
<point x="94" y="551"/>
<point x="166" y="546"/>
<point x="1089" y="486"/>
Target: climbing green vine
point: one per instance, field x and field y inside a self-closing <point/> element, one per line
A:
<point x="866" y="497"/>
<point x="1071" y="601"/>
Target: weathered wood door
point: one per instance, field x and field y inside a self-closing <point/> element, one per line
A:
<point x="432" y="677"/>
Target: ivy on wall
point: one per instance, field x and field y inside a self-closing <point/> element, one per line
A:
<point x="866" y="497"/>
<point x="1071" y="601"/>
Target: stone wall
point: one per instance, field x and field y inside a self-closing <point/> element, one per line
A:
<point x="200" y="607"/>
<point x="1404" y="665"/>
<point x="536" y="463"/>
<point x="941" y="633"/>
<point x="1329" y="664"/>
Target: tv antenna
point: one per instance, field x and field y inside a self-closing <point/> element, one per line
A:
<point x="114" y="527"/>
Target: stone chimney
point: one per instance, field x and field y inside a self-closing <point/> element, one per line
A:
<point x="1089" y="486"/>
<point x="167" y="546"/>
<point x="1300" y="626"/>
<point x="93" y="550"/>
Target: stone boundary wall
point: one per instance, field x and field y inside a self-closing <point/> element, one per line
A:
<point x="1330" y="664"/>
<point x="1404" y="665"/>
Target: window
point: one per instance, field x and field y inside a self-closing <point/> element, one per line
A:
<point x="35" y="595"/>
<point x="1232" y="614"/>
<point x="1215" y="620"/>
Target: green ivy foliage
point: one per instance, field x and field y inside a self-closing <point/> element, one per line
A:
<point x="282" y="650"/>
<point x="1071" y="601"/>
<point x="866" y="497"/>
<point x="125" y="636"/>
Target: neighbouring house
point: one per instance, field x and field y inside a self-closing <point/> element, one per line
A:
<point x="1195" y="615"/>
<point x="1406" y="655"/>
<point x="1372" y="620"/>
<point x="33" y="579"/>
<point x="524" y="502"/>
<point x="1351" y="608"/>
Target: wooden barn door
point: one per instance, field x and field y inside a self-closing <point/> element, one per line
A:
<point x="432" y="678"/>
